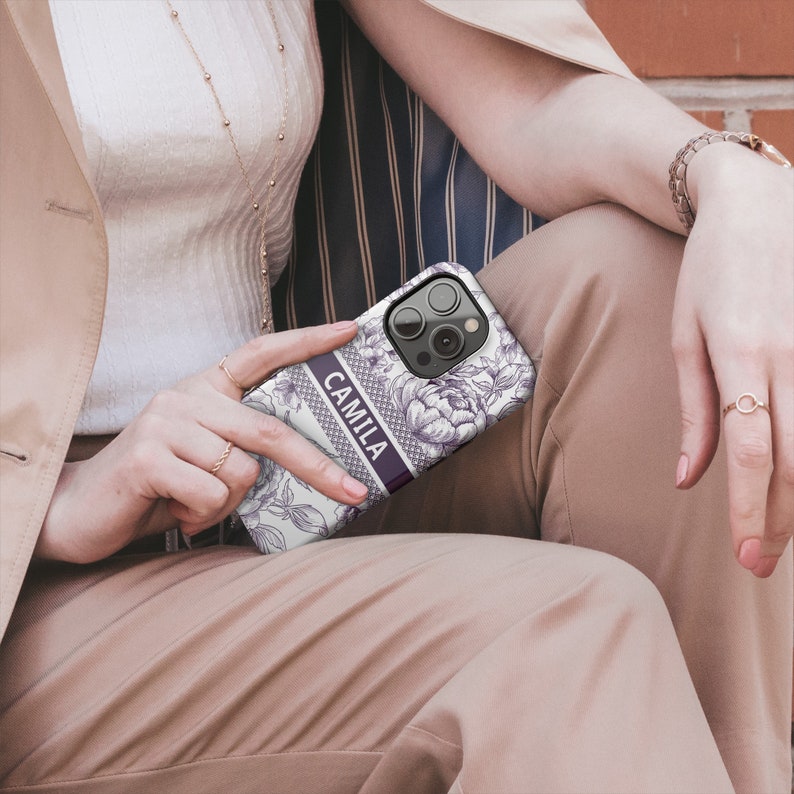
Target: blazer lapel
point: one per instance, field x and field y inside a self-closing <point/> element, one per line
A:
<point x="33" y="23"/>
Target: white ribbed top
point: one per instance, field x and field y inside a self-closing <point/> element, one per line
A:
<point x="184" y="285"/>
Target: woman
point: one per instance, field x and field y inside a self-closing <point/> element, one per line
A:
<point x="173" y="463"/>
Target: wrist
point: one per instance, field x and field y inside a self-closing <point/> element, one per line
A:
<point x="718" y="169"/>
<point x="49" y="542"/>
<point x="701" y="168"/>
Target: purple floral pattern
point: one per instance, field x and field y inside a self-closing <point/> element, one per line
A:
<point x="372" y="346"/>
<point x="442" y="413"/>
<point x="439" y="415"/>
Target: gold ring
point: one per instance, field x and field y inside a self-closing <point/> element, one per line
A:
<point x="222" y="458"/>
<point x="222" y="365"/>
<point x="755" y="403"/>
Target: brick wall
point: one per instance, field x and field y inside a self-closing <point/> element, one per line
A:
<point x="728" y="62"/>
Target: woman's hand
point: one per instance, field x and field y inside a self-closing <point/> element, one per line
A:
<point x="733" y="331"/>
<point x="156" y="474"/>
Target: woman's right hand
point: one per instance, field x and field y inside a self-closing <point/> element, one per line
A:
<point x="156" y="474"/>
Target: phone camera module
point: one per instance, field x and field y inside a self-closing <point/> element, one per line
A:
<point x="443" y="298"/>
<point x="446" y="341"/>
<point x="408" y="322"/>
<point x="435" y="325"/>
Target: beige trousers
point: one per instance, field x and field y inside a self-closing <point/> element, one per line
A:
<point x="401" y="664"/>
<point x="424" y="663"/>
<point x="591" y="462"/>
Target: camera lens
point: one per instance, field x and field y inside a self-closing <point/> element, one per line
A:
<point x="446" y="341"/>
<point x="443" y="298"/>
<point x="408" y="322"/>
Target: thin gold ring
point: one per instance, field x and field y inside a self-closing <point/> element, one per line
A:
<point x="222" y="365"/>
<point x="755" y="403"/>
<point x="222" y="459"/>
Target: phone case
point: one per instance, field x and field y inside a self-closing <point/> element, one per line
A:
<point x="366" y="410"/>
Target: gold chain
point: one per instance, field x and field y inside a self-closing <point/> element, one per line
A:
<point x="266" y="325"/>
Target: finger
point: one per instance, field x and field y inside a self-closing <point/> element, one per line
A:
<point x="209" y="497"/>
<point x="262" y="434"/>
<point x="699" y="405"/>
<point x="200" y="492"/>
<point x="294" y="453"/>
<point x="194" y="443"/>
<point x="177" y="422"/>
<point x="176" y="418"/>
<point x="780" y="502"/>
<point x="235" y="468"/>
<point x="268" y="436"/>
<point x="250" y="364"/>
<point x="179" y="435"/>
<point x="748" y="439"/>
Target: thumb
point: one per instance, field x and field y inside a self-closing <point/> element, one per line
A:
<point x="699" y="404"/>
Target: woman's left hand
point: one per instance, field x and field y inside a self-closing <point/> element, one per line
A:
<point x="733" y="334"/>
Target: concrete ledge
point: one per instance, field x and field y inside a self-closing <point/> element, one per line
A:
<point x="726" y="93"/>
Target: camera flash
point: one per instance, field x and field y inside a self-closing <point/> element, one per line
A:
<point x="471" y="325"/>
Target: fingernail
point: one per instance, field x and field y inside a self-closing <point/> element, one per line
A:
<point x="354" y="488"/>
<point x="344" y="325"/>
<point x="681" y="471"/>
<point x="765" y="567"/>
<point x="750" y="553"/>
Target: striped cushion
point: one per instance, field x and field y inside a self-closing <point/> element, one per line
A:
<point x="387" y="190"/>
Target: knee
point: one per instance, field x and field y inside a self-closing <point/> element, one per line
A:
<point x="599" y="269"/>
<point x="601" y="583"/>
<point x="629" y="590"/>
<point x="577" y="578"/>
<point x="628" y="265"/>
<point x="611" y="242"/>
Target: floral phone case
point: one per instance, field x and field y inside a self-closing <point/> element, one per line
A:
<point x="365" y="408"/>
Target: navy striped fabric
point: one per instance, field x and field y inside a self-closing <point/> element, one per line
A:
<point x="387" y="190"/>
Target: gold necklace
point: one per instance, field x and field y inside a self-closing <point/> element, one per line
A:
<point x="266" y="325"/>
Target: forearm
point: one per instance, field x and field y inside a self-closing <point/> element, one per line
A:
<point x="554" y="135"/>
<point x="594" y="137"/>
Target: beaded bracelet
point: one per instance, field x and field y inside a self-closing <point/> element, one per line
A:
<point x="677" y="183"/>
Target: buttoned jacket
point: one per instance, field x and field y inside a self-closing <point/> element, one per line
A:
<point x="54" y="254"/>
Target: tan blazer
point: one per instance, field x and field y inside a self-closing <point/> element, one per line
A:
<point x="53" y="247"/>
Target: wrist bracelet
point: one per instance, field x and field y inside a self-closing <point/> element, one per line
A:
<point x="677" y="183"/>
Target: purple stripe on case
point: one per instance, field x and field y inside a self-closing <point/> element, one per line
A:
<point x="361" y="420"/>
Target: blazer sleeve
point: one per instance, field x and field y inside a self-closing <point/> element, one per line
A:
<point x="557" y="27"/>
